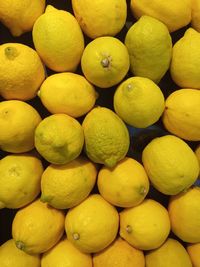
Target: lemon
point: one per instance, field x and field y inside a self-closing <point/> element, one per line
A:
<point x="100" y="18"/>
<point x="105" y="61"/>
<point x="67" y="93"/>
<point x="37" y="227"/>
<point x="20" y="177"/>
<point x="119" y="253"/>
<point x="139" y="102"/>
<point x="59" y="138"/>
<point x="92" y="225"/>
<point x="65" y="254"/>
<point x="175" y="14"/>
<point x="185" y="64"/>
<point x="170" y="163"/>
<point x="18" y="121"/>
<point x="194" y="252"/>
<point x="197" y="152"/>
<point x="19" y="16"/>
<point x="65" y="186"/>
<point x="150" y="48"/>
<point x="125" y="185"/>
<point x="195" y="16"/>
<point x="21" y="71"/>
<point x="171" y="253"/>
<point x="58" y="39"/>
<point x="182" y="113"/>
<point x="184" y="213"/>
<point x="11" y="256"/>
<point x="106" y="136"/>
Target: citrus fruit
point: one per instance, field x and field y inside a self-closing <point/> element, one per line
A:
<point x="21" y="71"/>
<point x="20" y="177"/>
<point x="194" y="252"/>
<point x="67" y="93"/>
<point x="59" y="138"/>
<point x="150" y="48"/>
<point x="92" y="225"/>
<point x="58" y="39"/>
<point x="197" y="152"/>
<point x="106" y="136"/>
<point x="37" y="227"/>
<point x="170" y="163"/>
<point x="105" y="61"/>
<point x="145" y="226"/>
<point x="139" y="102"/>
<point x="18" y="121"/>
<point x="125" y="185"/>
<point x="195" y="15"/>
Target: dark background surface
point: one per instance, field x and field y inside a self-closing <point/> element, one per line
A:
<point x="139" y="137"/>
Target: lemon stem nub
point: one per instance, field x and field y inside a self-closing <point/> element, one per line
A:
<point x="105" y="62"/>
<point x="11" y="52"/>
<point x="76" y="236"/>
<point x="128" y="229"/>
<point x="20" y="245"/>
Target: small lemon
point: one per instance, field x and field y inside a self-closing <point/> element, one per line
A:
<point x="58" y="39"/>
<point x="182" y="113"/>
<point x="171" y="253"/>
<point x="67" y="93"/>
<point x="119" y="253"/>
<point x="11" y="256"/>
<point x="175" y="14"/>
<point x="59" y="138"/>
<point x="92" y="225"/>
<point x="18" y="121"/>
<point x="185" y="64"/>
<point x="100" y="18"/>
<point x="150" y="48"/>
<point x="37" y="227"/>
<point x="105" y="61"/>
<point x="139" y="102"/>
<point x="65" y="186"/>
<point x="65" y="254"/>
<point x="194" y="252"/>
<point x="106" y="136"/>
<point x="145" y="226"/>
<point x="125" y="185"/>
<point x="19" y="16"/>
<point x="21" y="71"/>
<point x="20" y="177"/>
<point x="184" y="213"/>
<point x="170" y="163"/>
<point x="195" y="16"/>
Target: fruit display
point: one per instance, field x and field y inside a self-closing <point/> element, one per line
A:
<point x="100" y="133"/>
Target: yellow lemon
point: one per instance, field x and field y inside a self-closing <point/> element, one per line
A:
<point x="197" y="152"/>
<point x="67" y="93"/>
<point x="106" y="136"/>
<point x="184" y="213"/>
<point x="171" y="253"/>
<point x="175" y="14"/>
<point x="196" y="16"/>
<point x="182" y="113"/>
<point x="59" y="138"/>
<point x="19" y="16"/>
<point x="145" y="226"/>
<point x="11" y="256"/>
<point x="139" y="102"/>
<point x="20" y="177"/>
<point x="65" y="254"/>
<point x="119" y="253"/>
<point x="125" y="185"/>
<point x="21" y="71"/>
<point x="65" y="186"/>
<point x="170" y="163"/>
<point x="150" y="48"/>
<point x="194" y="252"/>
<point x="185" y="64"/>
<point x="100" y="18"/>
<point x="37" y="227"/>
<point x="105" y="61"/>
<point x="18" y="121"/>
<point x="58" y="39"/>
<point x="92" y="225"/>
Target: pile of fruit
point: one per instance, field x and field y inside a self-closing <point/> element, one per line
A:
<point x="99" y="161"/>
